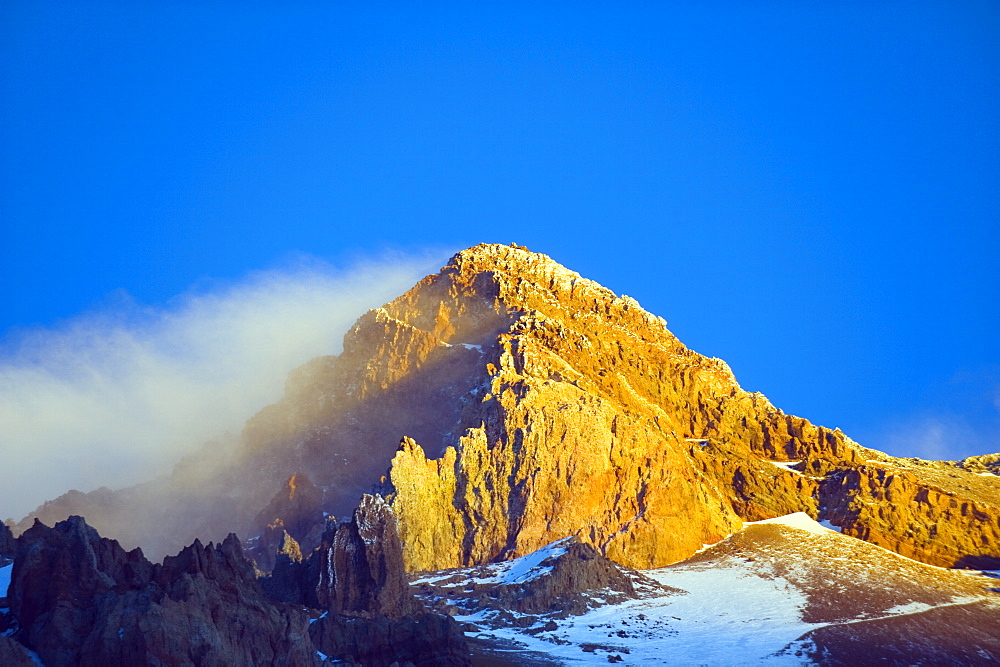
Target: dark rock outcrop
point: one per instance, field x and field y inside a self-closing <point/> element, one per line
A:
<point x="357" y="576"/>
<point x="13" y="654"/>
<point x="576" y="575"/>
<point x="8" y="545"/>
<point x="357" y="570"/>
<point x="294" y="511"/>
<point x="360" y="565"/>
<point x="566" y="578"/>
<point x="286" y="581"/>
<point x="423" y="640"/>
<point x="82" y="599"/>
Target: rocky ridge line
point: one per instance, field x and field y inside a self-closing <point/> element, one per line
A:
<point x="79" y="599"/>
<point x="514" y="403"/>
<point x="659" y="449"/>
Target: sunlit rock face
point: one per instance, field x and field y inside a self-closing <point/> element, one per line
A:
<point x="589" y="418"/>
<point x="507" y="402"/>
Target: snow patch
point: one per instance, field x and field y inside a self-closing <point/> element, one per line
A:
<point x="826" y="524"/>
<point x="467" y="346"/>
<point x="727" y="618"/>
<point x="523" y="569"/>
<point x="787" y="465"/>
<point x="799" y="520"/>
<point x="908" y="608"/>
<point x="433" y="579"/>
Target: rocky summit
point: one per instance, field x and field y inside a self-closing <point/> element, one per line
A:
<point x="514" y="402"/>
<point x="501" y="406"/>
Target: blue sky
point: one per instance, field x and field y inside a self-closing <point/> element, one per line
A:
<point x="805" y="189"/>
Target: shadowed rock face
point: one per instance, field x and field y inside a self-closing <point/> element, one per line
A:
<point x="356" y="576"/>
<point x="293" y="514"/>
<point x="13" y="654"/>
<point x="81" y="599"/>
<point x="357" y="570"/>
<point x="77" y="598"/>
<point x="423" y="640"/>
<point x="8" y="545"/>
<point x="294" y="506"/>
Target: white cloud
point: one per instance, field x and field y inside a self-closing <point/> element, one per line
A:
<point x="114" y="397"/>
<point x="942" y="436"/>
<point x="929" y="437"/>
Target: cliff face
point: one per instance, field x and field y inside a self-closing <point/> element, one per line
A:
<point x="356" y="576"/>
<point x="590" y="418"/>
<point x="8" y="545"/>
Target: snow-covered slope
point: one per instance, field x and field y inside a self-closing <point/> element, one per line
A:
<point x="783" y="591"/>
<point x="516" y="571"/>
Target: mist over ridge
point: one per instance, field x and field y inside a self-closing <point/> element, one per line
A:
<point x="117" y="395"/>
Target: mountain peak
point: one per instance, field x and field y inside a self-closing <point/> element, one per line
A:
<point x="513" y="265"/>
<point x="507" y="259"/>
<point x="538" y="404"/>
<point x="506" y="403"/>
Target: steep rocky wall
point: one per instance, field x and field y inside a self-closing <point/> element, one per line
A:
<point x="360" y="566"/>
<point x="8" y="545"/>
<point x="356" y="577"/>
<point x="894" y="509"/>
<point x="594" y="420"/>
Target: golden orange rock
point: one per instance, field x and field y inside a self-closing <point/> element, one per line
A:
<point x="592" y="419"/>
<point x="533" y="404"/>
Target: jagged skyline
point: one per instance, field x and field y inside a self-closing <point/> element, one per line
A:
<point x="809" y="194"/>
<point x="506" y="401"/>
